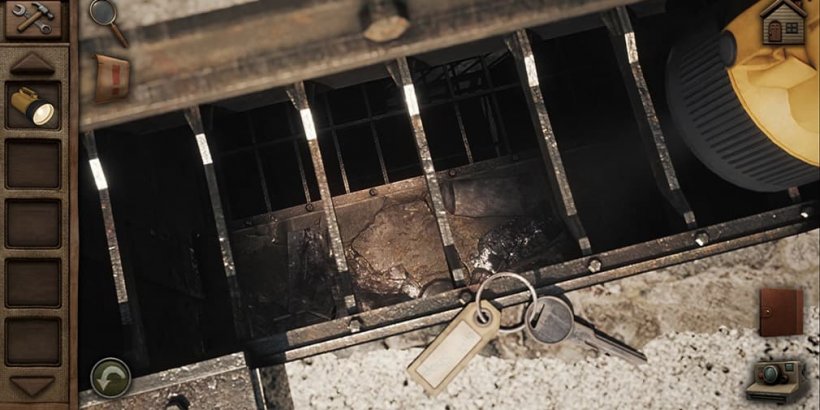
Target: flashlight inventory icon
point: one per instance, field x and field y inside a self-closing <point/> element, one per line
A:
<point x="37" y="110"/>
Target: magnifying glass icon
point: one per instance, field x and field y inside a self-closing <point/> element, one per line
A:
<point x="104" y="13"/>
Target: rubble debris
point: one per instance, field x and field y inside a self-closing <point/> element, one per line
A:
<point x="309" y="272"/>
<point x="374" y="285"/>
<point x="511" y="244"/>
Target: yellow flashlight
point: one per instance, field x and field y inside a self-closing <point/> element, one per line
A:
<point x="29" y="103"/>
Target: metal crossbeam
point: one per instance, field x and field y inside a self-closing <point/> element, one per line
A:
<point x="519" y="45"/>
<point x="400" y="71"/>
<point x="344" y="289"/>
<point x="649" y="126"/>
<point x="550" y="280"/>
<point x="174" y="73"/>
<point x="194" y="118"/>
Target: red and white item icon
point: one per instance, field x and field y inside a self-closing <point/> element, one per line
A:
<point x="112" y="78"/>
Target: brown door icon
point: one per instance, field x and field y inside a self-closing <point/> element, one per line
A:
<point x="775" y="31"/>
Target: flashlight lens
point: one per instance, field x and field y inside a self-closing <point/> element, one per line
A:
<point x="43" y="114"/>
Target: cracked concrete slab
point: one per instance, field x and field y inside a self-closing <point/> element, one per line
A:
<point x="696" y="323"/>
<point x="685" y="370"/>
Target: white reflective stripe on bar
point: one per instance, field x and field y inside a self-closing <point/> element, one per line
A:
<point x="631" y="47"/>
<point x="204" y="151"/>
<point x="99" y="176"/>
<point x="307" y="124"/>
<point x="100" y="181"/>
<point x="412" y="101"/>
<point x="532" y="72"/>
<point x="350" y="300"/>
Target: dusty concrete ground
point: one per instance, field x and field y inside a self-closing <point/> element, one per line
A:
<point x="695" y="322"/>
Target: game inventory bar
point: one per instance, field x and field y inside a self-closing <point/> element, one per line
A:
<point x="39" y="249"/>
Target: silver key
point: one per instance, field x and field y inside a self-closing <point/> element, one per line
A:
<point x="554" y="322"/>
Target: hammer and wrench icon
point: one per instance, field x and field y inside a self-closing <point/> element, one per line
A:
<point x="20" y="10"/>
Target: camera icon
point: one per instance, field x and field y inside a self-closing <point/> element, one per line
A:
<point x="779" y="382"/>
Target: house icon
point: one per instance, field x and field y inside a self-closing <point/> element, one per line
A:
<point x="784" y="23"/>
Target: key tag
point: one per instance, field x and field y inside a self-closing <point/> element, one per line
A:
<point x="450" y="352"/>
<point x="460" y="341"/>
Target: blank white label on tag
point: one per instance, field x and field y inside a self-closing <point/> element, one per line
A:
<point x="450" y="352"/>
<point x="446" y="357"/>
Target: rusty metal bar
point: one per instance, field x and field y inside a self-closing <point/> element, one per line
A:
<point x="519" y="45"/>
<point x="495" y="107"/>
<point x="551" y="280"/>
<point x="298" y="97"/>
<point x="220" y="174"/>
<point x="459" y="118"/>
<point x="488" y="113"/>
<point x="400" y="71"/>
<point x="130" y="316"/>
<point x="258" y="386"/>
<point x="302" y="173"/>
<point x="296" y="136"/>
<point x="626" y="50"/>
<point x="90" y="142"/>
<point x="336" y="146"/>
<point x="194" y="118"/>
<point x="263" y="181"/>
<point x="372" y="123"/>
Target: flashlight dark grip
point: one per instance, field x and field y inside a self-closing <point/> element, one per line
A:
<point x="26" y="24"/>
<point x="119" y="35"/>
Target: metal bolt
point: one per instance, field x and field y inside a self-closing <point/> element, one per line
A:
<point x="436" y="287"/>
<point x="594" y="265"/>
<point x="806" y="212"/>
<point x="355" y="325"/>
<point x="384" y="20"/>
<point x="465" y="298"/>
<point x="702" y="238"/>
<point x="373" y="192"/>
<point x="309" y="207"/>
<point x="452" y="173"/>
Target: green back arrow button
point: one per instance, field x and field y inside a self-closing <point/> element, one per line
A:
<point x="110" y="378"/>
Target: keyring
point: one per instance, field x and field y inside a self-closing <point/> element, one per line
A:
<point x="482" y="315"/>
